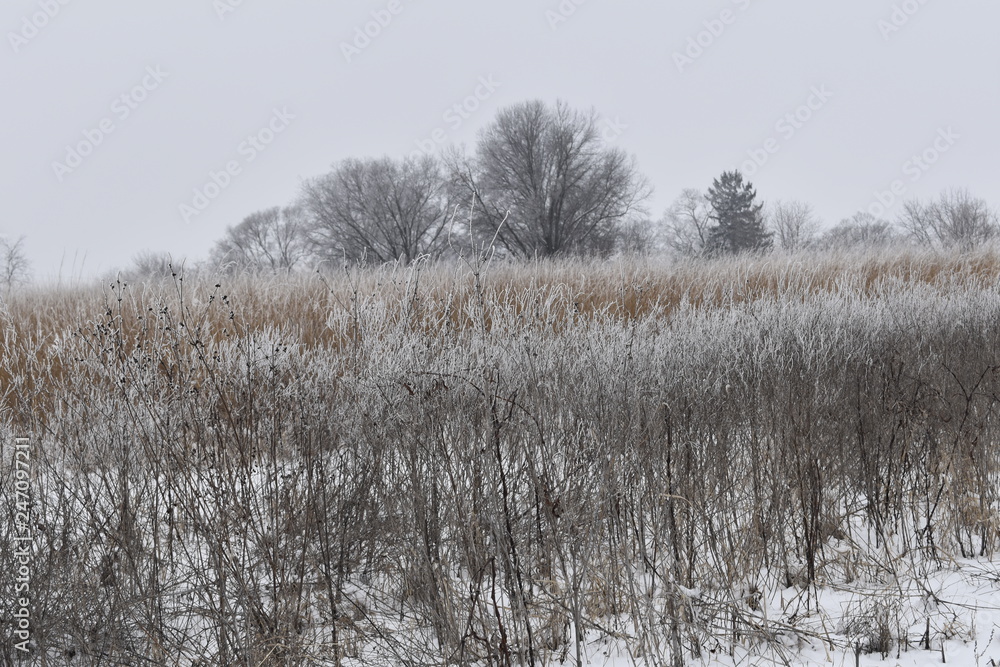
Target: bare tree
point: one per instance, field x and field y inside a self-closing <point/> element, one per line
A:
<point x="272" y="240"/>
<point x="955" y="220"/>
<point x="638" y="236"/>
<point x="793" y="223"/>
<point x="860" y="230"/>
<point x="14" y="266"/>
<point x="378" y="210"/>
<point x="687" y="222"/>
<point x="548" y="172"/>
<point x="150" y="264"/>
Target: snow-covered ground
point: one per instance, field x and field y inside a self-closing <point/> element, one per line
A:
<point x="948" y="613"/>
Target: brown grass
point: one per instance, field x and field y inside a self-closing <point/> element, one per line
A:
<point x="279" y="470"/>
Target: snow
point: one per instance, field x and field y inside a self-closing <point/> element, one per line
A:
<point x="958" y="601"/>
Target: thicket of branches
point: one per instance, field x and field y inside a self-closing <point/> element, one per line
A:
<point x="437" y="464"/>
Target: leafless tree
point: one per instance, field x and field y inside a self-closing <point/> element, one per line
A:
<point x="272" y="240"/>
<point x="639" y="236"/>
<point x="793" y="223"/>
<point x="955" y="220"/>
<point x="379" y="210"/>
<point x="550" y="174"/>
<point x="687" y="222"/>
<point x="151" y="264"/>
<point x="14" y="266"/>
<point x="860" y="230"/>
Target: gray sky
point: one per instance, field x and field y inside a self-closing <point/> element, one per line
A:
<point x="116" y="112"/>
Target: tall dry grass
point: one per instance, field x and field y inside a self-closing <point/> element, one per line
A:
<point x="444" y="464"/>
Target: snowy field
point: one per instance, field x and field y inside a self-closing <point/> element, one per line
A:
<point x="748" y="463"/>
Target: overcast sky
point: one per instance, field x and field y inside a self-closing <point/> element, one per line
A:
<point x="116" y="114"/>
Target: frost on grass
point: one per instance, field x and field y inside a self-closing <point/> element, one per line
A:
<point x="770" y="461"/>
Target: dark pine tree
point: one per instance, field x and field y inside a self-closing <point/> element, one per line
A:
<point x="739" y="224"/>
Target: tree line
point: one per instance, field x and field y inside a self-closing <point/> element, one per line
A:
<point x="695" y="224"/>
<point x="541" y="181"/>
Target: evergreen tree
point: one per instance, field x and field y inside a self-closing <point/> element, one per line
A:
<point x="739" y="223"/>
